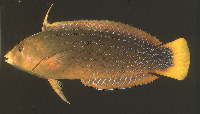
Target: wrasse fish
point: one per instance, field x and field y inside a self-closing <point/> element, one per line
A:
<point x="102" y="54"/>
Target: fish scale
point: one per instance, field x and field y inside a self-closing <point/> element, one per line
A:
<point x="110" y="51"/>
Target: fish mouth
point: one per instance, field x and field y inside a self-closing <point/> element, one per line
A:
<point x="8" y="58"/>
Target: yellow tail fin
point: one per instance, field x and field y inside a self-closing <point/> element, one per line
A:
<point x="181" y="60"/>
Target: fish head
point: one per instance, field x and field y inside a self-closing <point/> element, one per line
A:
<point x="25" y="55"/>
<point x="15" y="55"/>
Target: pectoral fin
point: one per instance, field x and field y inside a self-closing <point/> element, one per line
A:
<point x="56" y="85"/>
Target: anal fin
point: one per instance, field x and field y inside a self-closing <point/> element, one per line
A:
<point x="56" y="85"/>
<point x="120" y="82"/>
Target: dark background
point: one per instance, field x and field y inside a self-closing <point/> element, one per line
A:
<point x="22" y="93"/>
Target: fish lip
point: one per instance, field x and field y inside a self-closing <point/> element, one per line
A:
<point x="8" y="58"/>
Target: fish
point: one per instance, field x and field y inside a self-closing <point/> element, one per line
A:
<point x="102" y="54"/>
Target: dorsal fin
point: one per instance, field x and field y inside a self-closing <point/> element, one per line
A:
<point x="45" y="19"/>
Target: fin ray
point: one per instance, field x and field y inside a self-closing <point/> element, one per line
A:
<point x="181" y="60"/>
<point x="122" y="82"/>
<point x="45" y="19"/>
<point x="56" y="85"/>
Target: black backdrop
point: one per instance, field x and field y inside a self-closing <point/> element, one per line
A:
<point x="22" y="93"/>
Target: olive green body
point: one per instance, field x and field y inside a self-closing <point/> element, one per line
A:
<point x="90" y="49"/>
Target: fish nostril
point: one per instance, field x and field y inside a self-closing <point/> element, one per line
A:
<point x="20" y="49"/>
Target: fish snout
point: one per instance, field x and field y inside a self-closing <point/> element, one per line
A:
<point x="9" y="57"/>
